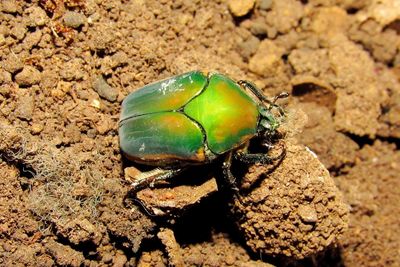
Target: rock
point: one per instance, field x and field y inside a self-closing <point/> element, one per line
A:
<point x="74" y="19"/>
<point x="5" y="77"/>
<point x="120" y="260"/>
<point x="37" y="16"/>
<point x="172" y="247"/>
<point x="259" y="28"/>
<point x="19" y="31"/>
<point x="161" y="201"/>
<point x="64" y="255"/>
<point x="307" y="214"/>
<point x="330" y="20"/>
<point x="28" y="76"/>
<point x="249" y="47"/>
<point x="25" y="106"/>
<point x="12" y="64"/>
<point x="2" y="39"/>
<point x="277" y="213"/>
<point x="265" y="4"/>
<point x="240" y="8"/>
<point x="104" y="89"/>
<point x="267" y="60"/>
<point x="72" y="70"/>
<point x="32" y="39"/>
<point x="37" y="128"/>
<point x="9" y="6"/>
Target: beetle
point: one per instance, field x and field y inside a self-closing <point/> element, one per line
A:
<point x="194" y="118"/>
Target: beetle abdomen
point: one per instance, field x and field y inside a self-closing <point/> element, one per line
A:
<point x="164" y="137"/>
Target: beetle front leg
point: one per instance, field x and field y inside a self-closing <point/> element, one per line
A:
<point x="149" y="178"/>
<point x="262" y="158"/>
<point x="260" y="95"/>
<point x="229" y="178"/>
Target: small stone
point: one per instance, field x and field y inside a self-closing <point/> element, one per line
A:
<point x="307" y="214"/>
<point x="249" y="47"/>
<point x="63" y="254"/>
<point x="240" y="8"/>
<point x="259" y="28"/>
<point x="28" y="76"/>
<point x="120" y="260"/>
<point x="19" y="31"/>
<point x="104" y="89"/>
<point x="72" y="70"/>
<point x="107" y="257"/>
<point x="25" y="107"/>
<point x="74" y="19"/>
<point x="267" y="60"/>
<point x="37" y="16"/>
<point x="5" y="77"/>
<point x="36" y="128"/>
<point x="265" y="4"/>
<point x="32" y="39"/>
<point x="93" y="18"/>
<point x="9" y="6"/>
<point x="12" y="64"/>
<point x="131" y="174"/>
<point x="2" y="39"/>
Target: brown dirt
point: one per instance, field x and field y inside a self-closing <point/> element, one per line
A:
<point x="65" y="67"/>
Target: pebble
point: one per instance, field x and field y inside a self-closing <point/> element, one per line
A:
<point x="249" y="47"/>
<point x="32" y="39"/>
<point x="37" y="16"/>
<point x="5" y="77"/>
<point x="74" y="19"/>
<point x="259" y="28"/>
<point x="9" y="6"/>
<point x="72" y="70"/>
<point x="267" y="60"/>
<point x="25" y="107"/>
<point x="307" y="214"/>
<point x="107" y="257"/>
<point x="36" y="128"/>
<point x="104" y="89"/>
<point x="120" y="260"/>
<point x="28" y="76"/>
<point x="265" y="4"/>
<point x="240" y="8"/>
<point x="2" y="39"/>
<point x="19" y="31"/>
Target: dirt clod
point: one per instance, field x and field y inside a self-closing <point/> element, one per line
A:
<point x="64" y="255"/>
<point x="240" y="8"/>
<point x="280" y="219"/>
<point x="74" y="19"/>
<point x="28" y="76"/>
<point x="104" y="89"/>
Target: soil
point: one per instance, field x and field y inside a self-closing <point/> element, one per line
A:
<point x="65" y="199"/>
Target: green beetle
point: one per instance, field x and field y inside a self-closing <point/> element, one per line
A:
<point x="192" y="119"/>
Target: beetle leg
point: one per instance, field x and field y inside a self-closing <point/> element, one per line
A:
<point x="260" y="95"/>
<point x="262" y="158"/>
<point x="255" y="90"/>
<point x="230" y="179"/>
<point x="149" y="178"/>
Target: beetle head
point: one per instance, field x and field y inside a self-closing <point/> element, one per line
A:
<point x="272" y="115"/>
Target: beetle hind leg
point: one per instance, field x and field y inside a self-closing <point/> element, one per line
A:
<point x="151" y="177"/>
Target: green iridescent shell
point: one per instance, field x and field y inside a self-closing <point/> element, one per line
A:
<point x="190" y="118"/>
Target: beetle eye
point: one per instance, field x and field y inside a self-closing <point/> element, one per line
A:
<point x="265" y="124"/>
